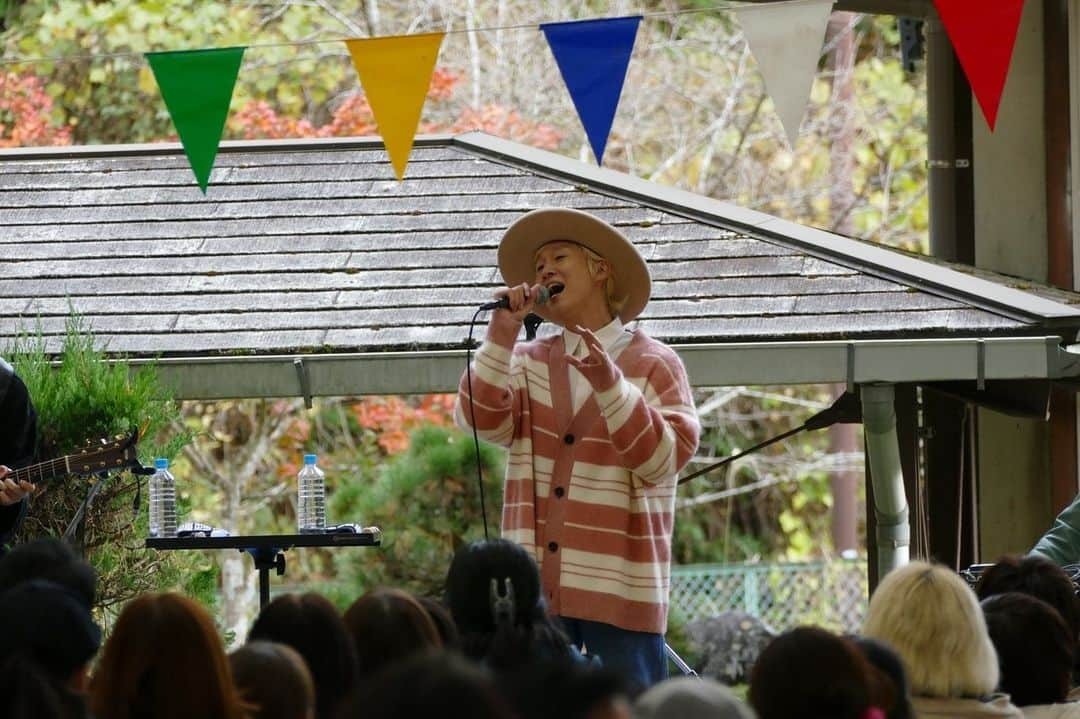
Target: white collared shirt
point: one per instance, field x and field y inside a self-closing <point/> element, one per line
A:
<point x="613" y="338"/>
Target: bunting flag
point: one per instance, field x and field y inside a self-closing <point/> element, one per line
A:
<point x="395" y="73"/>
<point x="593" y="56"/>
<point x="197" y="86"/>
<point x="983" y="35"/>
<point x="786" y="42"/>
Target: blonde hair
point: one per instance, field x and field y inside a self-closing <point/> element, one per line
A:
<point x="933" y="620"/>
<point x="592" y="260"/>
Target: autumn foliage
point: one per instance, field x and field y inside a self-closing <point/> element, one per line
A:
<point x="353" y="118"/>
<point x="26" y="113"/>
<point x="392" y="418"/>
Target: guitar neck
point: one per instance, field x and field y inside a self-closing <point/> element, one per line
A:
<point x="41" y="472"/>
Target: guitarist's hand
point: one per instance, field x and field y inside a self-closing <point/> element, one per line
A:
<point x="10" y="492"/>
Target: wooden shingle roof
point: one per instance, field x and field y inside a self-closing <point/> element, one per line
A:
<point x="312" y="248"/>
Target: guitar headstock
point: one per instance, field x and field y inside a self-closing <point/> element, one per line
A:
<point x="106" y="454"/>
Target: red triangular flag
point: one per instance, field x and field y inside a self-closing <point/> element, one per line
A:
<point x="983" y="33"/>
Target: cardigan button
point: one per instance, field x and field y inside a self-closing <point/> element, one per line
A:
<point x="569" y="439"/>
<point x="553" y="546"/>
<point x="559" y="492"/>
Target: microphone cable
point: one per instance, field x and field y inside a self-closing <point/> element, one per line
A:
<point x="472" y="420"/>
<point x="532" y="322"/>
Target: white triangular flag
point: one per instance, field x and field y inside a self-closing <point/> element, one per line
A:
<point x="786" y="41"/>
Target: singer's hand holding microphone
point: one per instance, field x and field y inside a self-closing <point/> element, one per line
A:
<point x="520" y="300"/>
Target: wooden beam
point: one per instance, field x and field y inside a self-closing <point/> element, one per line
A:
<point x="1059" y="233"/>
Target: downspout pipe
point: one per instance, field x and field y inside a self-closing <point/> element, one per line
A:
<point x="886" y="476"/>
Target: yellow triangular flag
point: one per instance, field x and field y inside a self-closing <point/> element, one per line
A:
<point x="395" y="73"/>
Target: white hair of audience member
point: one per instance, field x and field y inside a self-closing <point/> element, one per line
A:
<point x="934" y="622"/>
<point x="688" y="698"/>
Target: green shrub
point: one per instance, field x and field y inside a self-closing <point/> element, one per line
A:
<point x="80" y="395"/>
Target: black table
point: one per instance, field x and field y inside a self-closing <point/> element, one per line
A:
<point x="268" y="549"/>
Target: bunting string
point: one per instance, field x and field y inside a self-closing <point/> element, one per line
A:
<point x="593" y="56"/>
<point x="721" y="7"/>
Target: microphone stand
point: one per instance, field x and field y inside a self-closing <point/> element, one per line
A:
<point x="845" y="410"/>
<point x="75" y="526"/>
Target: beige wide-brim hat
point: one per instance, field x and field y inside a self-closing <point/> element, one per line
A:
<point x="535" y="229"/>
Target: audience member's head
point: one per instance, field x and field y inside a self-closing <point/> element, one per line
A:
<point x="807" y="673"/>
<point x="312" y="626"/>
<point x="274" y="681"/>
<point x="387" y="625"/>
<point x="439" y="614"/>
<point x="493" y="591"/>
<point x="932" y="619"/>
<point x="1033" y="646"/>
<point x="52" y="627"/>
<point x="434" y="684"/>
<point x="164" y="659"/>
<point x="889" y="663"/>
<point x="690" y="698"/>
<point x="52" y="560"/>
<point x="1040" y="578"/>
<point x="567" y="690"/>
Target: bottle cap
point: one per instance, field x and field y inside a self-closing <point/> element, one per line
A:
<point x="161" y="463"/>
<point x="310" y="458"/>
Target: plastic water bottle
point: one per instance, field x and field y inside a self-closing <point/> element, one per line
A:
<point x="162" y="501"/>
<point x="311" y="508"/>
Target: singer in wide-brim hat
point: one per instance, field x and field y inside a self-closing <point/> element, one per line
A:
<point x="599" y="420"/>
<point x="529" y="233"/>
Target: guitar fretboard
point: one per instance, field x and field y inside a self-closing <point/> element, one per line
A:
<point x="40" y="472"/>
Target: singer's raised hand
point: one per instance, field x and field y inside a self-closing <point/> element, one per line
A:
<point x="598" y="368"/>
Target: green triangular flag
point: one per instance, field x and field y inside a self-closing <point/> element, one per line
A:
<point x="197" y="86"/>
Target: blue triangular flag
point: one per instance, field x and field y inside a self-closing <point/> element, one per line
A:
<point x="593" y="56"/>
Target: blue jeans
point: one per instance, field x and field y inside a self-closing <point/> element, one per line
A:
<point x="639" y="657"/>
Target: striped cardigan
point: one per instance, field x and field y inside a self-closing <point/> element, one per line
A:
<point x="591" y="495"/>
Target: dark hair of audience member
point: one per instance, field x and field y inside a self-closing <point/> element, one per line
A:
<point x="312" y="626"/>
<point x="493" y="591"/>
<point x="274" y="681"/>
<point x="808" y="673"/>
<point x="889" y="663"/>
<point x="164" y="659"/>
<point x="432" y="684"/>
<point x="1040" y="578"/>
<point x="439" y="614"/>
<point x="52" y="627"/>
<point x="31" y="692"/>
<point x="387" y="625"/>
<point x="1033" y="648"/>
<point x="567" y="690"/>
<point x="52" y="560"/>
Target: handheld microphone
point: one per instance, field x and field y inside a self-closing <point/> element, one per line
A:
<point x="543" y="294"/>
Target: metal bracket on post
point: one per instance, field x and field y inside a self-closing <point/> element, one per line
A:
<point x="980" y="364"/>
<point x="305" y="380"/>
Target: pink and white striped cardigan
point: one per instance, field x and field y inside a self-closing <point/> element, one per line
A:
<point x="593" y="494"/>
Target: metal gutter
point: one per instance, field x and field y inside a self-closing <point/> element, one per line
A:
<point x="862" y="256"/>
<point x="709" y="365"/>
